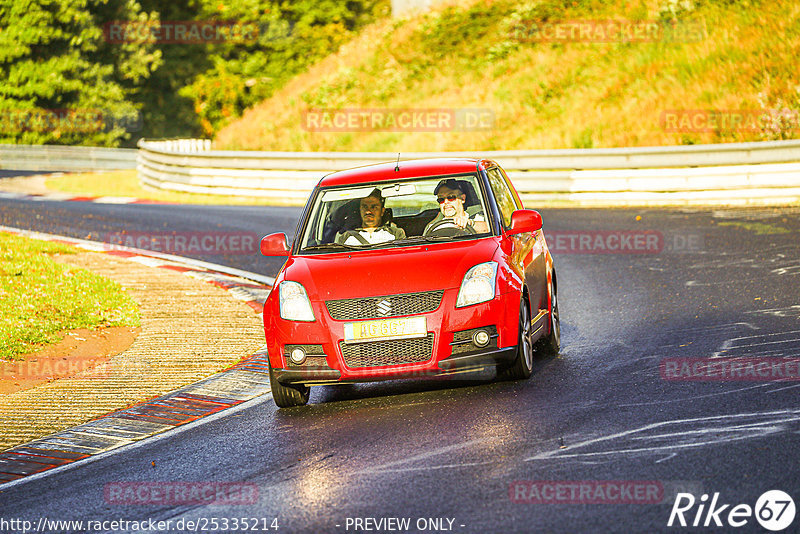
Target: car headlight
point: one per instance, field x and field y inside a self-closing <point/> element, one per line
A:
<point x="295" y="305"/>
<point x="478" y="284"/>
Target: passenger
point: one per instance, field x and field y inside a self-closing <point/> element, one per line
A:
<point x="373" y="229"/>
<point x="451" y="198"/>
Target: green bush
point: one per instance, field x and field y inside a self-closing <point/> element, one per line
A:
<point x="61" y="81"/>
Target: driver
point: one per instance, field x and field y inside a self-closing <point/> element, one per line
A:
<point x="373" y="230"/>
<point x="451" y="197"/>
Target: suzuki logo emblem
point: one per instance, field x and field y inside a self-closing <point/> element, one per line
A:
<point x="384" y="307"/>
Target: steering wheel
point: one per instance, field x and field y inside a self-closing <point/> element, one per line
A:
<point x="448" y="228"/>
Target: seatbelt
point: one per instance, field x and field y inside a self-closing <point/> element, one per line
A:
<point x="357" y="235"/>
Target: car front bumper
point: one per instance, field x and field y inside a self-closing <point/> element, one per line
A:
<point x="453" y="365"/>
<point x="452" y="350"/>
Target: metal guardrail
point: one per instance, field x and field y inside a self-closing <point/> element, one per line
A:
<point x="723" y="173"/>
<point x="65" y="158"/>
<point x="735" y="172"/>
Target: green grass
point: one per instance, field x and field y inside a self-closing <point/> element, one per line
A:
<point x="756" y="227"/>
<point x="40" y="298"/>
<point x="126" y="184"/>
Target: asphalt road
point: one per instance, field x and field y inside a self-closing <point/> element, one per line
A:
<point x="455" y="455"/>
<point x="4" y="173"/>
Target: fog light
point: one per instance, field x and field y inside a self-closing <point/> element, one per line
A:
<point x="480" y="338"/>
<point x="297" y="356"/>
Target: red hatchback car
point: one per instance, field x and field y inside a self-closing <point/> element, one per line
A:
<point x="397" y="270"/>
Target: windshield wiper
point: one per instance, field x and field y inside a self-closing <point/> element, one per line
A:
<point x="331" y="246"/>
<point x="435" y="238"/>
<point x="419" y="239"/>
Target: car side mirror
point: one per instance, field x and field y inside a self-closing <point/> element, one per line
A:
<point x="524" y="221"/>
<point x="275" y="245"/>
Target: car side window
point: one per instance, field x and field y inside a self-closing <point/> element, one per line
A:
<point x="503" y="195"/>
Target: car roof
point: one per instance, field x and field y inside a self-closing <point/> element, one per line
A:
<point x="408" y="169"/>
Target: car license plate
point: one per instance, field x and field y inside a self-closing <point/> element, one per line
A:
<point x="397" y="328"/>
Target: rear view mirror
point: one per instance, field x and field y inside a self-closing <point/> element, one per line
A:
<point x="524" y="221"/>
<point x="275" y="245"/>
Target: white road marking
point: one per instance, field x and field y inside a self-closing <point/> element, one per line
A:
<point x="792" y="269"/>
<point x="670" y="457"/>
<point x="789" y="311"/>
<point x="729" y="344"/>
<point x="114" y="200"/>
<point x="717" y="434"/>
<point x="152" y="262"/>
<point x="781" y="389"/>
<point x="724" y="326"/>
<point x="684" y="399"/>
<point x="425" y="467"/>
<point x="424" y="455"/>
<point x="719" y="264"/>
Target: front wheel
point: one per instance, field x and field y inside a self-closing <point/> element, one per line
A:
<point x="287" y="396"/>
<point x="522" y="367"/>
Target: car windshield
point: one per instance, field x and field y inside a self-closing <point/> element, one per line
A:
<point x="393" y="214"/>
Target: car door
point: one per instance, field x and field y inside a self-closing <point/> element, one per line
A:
<point x="527" y="252"/>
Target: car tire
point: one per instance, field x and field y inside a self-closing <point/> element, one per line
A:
<point x="551" y="344"/>
<point x="288" y="396"/>
<point x="522" y="368"/>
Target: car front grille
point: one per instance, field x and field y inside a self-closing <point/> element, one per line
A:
<point x="386" y="306"/>
<point x="391" y="352"/>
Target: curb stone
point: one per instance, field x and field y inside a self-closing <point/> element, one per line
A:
<point x="69" y="197"/>
<point x="231" y="387"/>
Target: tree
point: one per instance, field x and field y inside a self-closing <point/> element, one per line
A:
<point x="288" y="38"/>
<point x="61" y="80"/>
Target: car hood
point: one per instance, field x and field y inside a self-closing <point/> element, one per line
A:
<point x="388" y="271"/>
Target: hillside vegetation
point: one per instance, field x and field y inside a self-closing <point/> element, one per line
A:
<point x="546" y="94"/>
<point x="106" y="72"/>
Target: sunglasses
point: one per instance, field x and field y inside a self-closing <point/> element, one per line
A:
<point x="450" y="197"/>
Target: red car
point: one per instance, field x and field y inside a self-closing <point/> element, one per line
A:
<point x="423" y="267"/>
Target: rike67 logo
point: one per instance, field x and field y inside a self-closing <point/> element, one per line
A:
<point x="774" y="510"/>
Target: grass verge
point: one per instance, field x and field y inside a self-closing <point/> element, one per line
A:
<point x="126" y="184"/>
<point x="39" y="298"/>
<point x="756" y="227"/>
